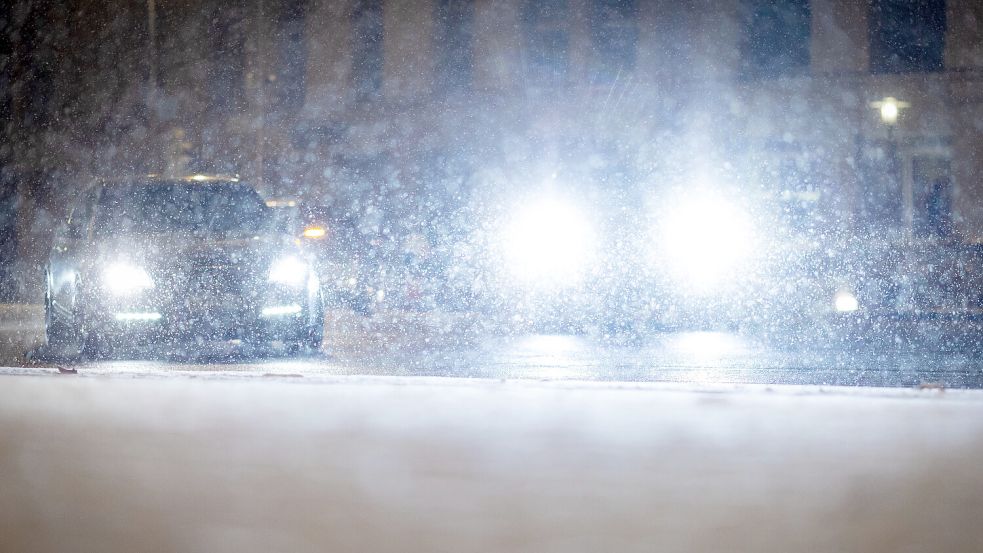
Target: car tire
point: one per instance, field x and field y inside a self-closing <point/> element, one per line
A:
<point x="313" y="332"/>
<point x="64" y="333"/>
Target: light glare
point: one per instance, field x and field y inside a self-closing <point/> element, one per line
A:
<point x="889" y="109"/>
<point x="125" y="279"/>
<point x="549" y="242"/>
<point x="289" y="271"/>
<point x="845" y="302"/>
<point x="276" y="310"/>
<point x="889" y="112"/>
<point x="315" y="232"/>
<point x="705" y="239"/>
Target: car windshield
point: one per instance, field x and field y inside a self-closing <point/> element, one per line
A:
<point x="180" y="208"/>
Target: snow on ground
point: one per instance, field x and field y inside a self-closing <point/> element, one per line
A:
<point x="431" y="464"/>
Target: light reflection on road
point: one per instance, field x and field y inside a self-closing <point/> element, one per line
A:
<point x="552" y="356"/>
<point x="432" y="346"/>
<point x="706" y="352"/>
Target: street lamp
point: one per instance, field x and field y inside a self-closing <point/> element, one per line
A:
<point x="889" y="108"/>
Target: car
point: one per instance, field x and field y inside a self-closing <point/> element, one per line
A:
<point x="341" y="256"/>
<point x="180" y="260"/>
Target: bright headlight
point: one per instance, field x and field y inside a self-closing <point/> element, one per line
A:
<point x="549" y="242"/>
<point x="704" y="239"/>
<point x="289" y="271"/>
<point x="125" y="279"/>
<point x="845" y="302"/>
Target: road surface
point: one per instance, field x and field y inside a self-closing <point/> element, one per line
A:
<point x="428" y="344"/>
<point x="427" y="464"/>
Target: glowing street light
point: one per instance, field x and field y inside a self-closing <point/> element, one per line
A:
<point x="889" y="109"/>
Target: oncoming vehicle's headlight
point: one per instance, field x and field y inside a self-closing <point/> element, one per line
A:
<point x="845" y="301"/>
<point x="548" y="243"/>
<point x="125" y="279"/>
<point x="704" y="239"/>
<point x="289" y="271"/>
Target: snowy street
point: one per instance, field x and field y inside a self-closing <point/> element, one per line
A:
<point x="456" y="345"/>
<point x="437" y="464"/>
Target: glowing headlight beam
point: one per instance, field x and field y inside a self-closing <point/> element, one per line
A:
<point x="548" y="242"/>
<point x="705" y="239"/>
<point x="289" y="271"/>
<point x="125" y="279"/>
<point x="845" y="302"/>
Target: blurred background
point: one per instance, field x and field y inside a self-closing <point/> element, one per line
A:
<point x="835" y="121"/>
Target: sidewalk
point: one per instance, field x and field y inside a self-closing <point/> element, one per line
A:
<point x="423" y="465"/>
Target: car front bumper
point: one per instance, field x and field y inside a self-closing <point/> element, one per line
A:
<point x="274" y="315"/>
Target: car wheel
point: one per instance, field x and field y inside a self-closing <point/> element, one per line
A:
<point x="313" y="332"/>
<point x="62" y="331"/>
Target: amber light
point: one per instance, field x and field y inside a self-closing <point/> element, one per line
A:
<point x="315" y="232"/>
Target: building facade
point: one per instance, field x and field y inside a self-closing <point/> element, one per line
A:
<point x="417" y="108"/>
<point x="774" y="95"/>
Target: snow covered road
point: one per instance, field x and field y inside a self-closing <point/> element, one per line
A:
<point x="434" y="464"/>
<point x="456" y="345"/>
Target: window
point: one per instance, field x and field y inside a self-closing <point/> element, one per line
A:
<point x="614" y="34"/>
<point x="776" y="37"/>
<point x="906" y="35"/>
<point x="455" y="21"/>
<point x="547" y="41"/>
<point x="81" y="214"/>
<point x="367" y="55"/>
<point x="158" y="207"/>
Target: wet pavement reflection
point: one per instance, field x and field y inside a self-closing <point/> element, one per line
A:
<point x="685" y="357"/>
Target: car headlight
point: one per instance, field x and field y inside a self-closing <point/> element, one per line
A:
<point x="845" y="302"/>
<point x="289" y="271"/>
<point x="705" y="239"/>
<point x="548" y="243"/>
<point x="125" y="279"/>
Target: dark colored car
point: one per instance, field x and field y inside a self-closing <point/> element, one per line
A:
<point x="339" y="253"/>
<point x="184" y="261"/>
